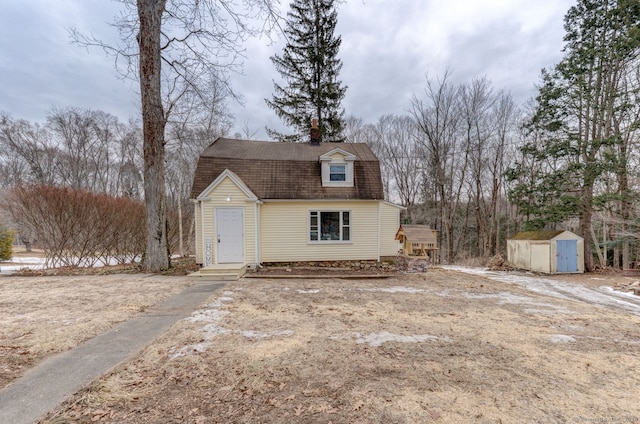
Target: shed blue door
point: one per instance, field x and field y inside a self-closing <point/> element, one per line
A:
<point x="567" y="255"/>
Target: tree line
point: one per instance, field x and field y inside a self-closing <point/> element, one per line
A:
<point x="445" y="162"/>
<point x="91" y="151"/>
<point x="464" y="159"/>
<point x="479" y="168"/>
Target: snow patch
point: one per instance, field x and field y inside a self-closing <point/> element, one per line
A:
<point x="561" y="338"/>
<point x="602" y="296"/>
<point x="35" y="263"/>
<point x="534" y="311"/>
<point x="508" y="298"/>
<point x="396" y="289"/>
<point x="630" y="342"/>
<point x="212" y="315"/>
<point x="308" y="291"/>
<point x="255" y="335"/>
<point x="213" y="330"/>
<point x="192" y="349"/>
<point x="378" y="339"/>
<point x="611" y="290"/>
<point x="64" y="322"/>
<point x="207" y="315"/>
<point x="21" y="263"/>
<point x="27" y="260"/>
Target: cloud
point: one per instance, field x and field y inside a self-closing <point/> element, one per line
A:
<point x="387" y="49"/>
<point x="41" y="68"/>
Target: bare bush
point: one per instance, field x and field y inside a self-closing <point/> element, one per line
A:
<point x="80" y="228"/>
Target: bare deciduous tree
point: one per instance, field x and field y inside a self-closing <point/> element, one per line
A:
<point x="193" y="126"/>
<point x="401" y="154"/>
<point x="170" y="46"/>
<point x="437" y="116"/>
<point x="28" y="150"/>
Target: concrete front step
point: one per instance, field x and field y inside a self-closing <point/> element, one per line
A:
<point x="220" y="272"/>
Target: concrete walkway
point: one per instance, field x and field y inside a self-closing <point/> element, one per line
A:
<point x="47" y="385"/>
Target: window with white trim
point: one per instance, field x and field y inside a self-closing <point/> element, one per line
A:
<point x="337" y="168"/>
<point x="329" y="226"/>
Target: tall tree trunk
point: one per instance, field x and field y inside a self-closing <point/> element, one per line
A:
<point x="596" y="244"/>
<point x="625" y="206"/>
<point x="180" y="237"/>
<point x="153" y="124"/>
<point x="585" y="225"/>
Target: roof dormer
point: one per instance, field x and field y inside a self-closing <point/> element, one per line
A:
<point x="337" y="168"/>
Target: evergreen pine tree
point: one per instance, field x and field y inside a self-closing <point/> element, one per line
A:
<point x="309" y="66"/>
<point x="579" y="118"/>
<point x="6" y="243"/>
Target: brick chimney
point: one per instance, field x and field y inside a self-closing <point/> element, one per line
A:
<point x="315" y="133"/>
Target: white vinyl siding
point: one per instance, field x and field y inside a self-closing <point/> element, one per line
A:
<point x="237" y="199"/>
<point x="285" y="232"/>
<point x="389" y="224"/>
<point x="198" y="226"/>
<point x="285" y="227"/>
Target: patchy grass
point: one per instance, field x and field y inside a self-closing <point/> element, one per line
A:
<point x="42" y="316"/>
<point x="438" y="347"/>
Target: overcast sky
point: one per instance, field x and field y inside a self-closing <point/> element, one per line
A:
<point x="388" y="46"/>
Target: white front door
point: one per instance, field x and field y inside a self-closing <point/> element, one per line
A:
<point x="230" y="233"/>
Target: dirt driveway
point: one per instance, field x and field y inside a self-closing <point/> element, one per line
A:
<point x="441" y="347"/>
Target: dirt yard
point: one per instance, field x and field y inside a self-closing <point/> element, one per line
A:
<point x="42" y="316"/>
<point x="440" y="347"/>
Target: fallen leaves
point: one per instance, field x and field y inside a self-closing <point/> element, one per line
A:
<point x="320" y="374"/>
<point x="357" y="405"/>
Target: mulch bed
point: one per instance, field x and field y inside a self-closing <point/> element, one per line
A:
<point x="179" y="267"/>
<point x="324" y="270"/>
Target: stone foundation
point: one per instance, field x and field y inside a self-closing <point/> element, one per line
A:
<point x="368" y="265"/>
<point x="412" y="264"/>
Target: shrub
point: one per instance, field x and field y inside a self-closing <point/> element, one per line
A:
<point x="78" y="227"/>
<point x="6" y="243"/>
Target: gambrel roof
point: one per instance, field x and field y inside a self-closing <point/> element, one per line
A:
<point x="274" y="170"/>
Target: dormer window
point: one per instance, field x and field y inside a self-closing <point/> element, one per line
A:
<point x="337" y="172"/>
<point x="337" y="168"/>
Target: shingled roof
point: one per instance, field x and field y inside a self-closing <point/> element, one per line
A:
<point x="417" y="234"/>
<point x="537" y="235"/>
<point x="274" y="170"/>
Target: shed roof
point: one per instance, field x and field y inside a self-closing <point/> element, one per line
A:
<point x="421" y="234"/>
<point x="274" y="170"/>
<point x="537" y="235"/>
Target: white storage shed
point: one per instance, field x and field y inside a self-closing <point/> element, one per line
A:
<point x="551" y="252"/>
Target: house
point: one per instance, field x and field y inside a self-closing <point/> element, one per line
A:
<point x="260" y="202"/>
<point x="550" y="252"/>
